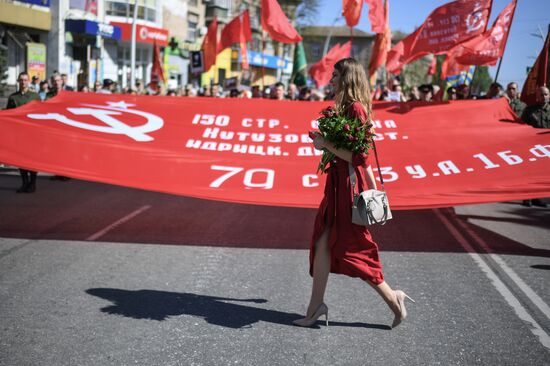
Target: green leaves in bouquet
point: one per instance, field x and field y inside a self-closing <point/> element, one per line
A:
<point x="345" y="133"/>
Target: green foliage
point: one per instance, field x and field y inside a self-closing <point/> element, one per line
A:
<point x="416" y="73"/>
<point x="345" y="133"/>
<point x="481" y="81"/>
<point x="307" y="12"/>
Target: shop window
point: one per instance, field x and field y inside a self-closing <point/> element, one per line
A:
<point x="146" y="9"/>
<point x="316" y="50"/>
<point x="117" y="9"/>
<point x="191" y="31"/>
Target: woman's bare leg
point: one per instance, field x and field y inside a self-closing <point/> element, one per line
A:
<point x="386" y="292"/>
<point x="321" y="269"/>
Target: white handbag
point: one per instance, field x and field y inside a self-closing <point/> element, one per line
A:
<point x="371" y="206"/>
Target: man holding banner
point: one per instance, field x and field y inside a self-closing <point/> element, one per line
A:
<point x="17" y="99"/>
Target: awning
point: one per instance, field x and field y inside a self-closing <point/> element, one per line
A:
<point x="92" y="28"/>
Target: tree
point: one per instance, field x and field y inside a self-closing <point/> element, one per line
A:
<point x="307" y="11"/>
<point x="416" y="73"/>
<point x="481" y="81"/>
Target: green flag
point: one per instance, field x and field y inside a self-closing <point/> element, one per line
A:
<point x="299" y="69"/>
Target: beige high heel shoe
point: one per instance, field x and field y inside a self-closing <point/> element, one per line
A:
<point x="308" y="322"/>
<point x="401" y="296"/>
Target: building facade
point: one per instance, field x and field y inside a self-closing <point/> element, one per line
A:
<point x="24" y="29"/>
<point x="90" y="40"/>
<point x="319" y="39"/>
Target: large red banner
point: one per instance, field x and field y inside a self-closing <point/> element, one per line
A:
<point x="258" y="151"/>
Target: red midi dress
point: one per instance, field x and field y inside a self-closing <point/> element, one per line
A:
<point x="353" y="252"/>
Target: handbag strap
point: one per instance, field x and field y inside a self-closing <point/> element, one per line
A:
<point x="352" y="171"/>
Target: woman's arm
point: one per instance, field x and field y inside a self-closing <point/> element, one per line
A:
<point x="320" y="143"/>
<point x="371" y="182"/>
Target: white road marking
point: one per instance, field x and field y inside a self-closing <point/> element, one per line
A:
<point x="536" y="299"/>
<point x="519" y="309"/>
<point x="117" y="223"/>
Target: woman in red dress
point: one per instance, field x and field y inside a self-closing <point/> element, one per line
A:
<point x="338" y="245"/>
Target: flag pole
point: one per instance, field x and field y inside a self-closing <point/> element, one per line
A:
<point x="351" y="40"/>
<point x="505" y="43"/>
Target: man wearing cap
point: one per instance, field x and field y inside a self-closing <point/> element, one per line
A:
<point x="513" y="99"/>
<point x="451" y="93"/>
<point x="23" y="96"/>
<point x="35" y="84"/>
<point x="426" y="92"/>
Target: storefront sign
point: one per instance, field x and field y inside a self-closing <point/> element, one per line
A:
<point x="92" y="28"/>
<point x="144" y="34"/>
<point x="36" y="60"/>
<point x="37" y="2"/>
<point x="269" y="61"/>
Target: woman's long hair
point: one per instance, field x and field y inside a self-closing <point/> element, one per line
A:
<point x="353" y="86"/>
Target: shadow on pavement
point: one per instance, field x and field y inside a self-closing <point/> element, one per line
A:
<point x="77" y="210"/>
<point x="221" y="311"/>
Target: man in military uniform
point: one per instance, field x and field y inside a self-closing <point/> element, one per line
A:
<point x="513" y="99"/>
<point x="538" y="116"/>
<point x="17" y="99"/>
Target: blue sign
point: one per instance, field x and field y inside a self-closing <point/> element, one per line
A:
<point x="37" y="2"/>
<point x="269" y="61"/>
<point x="91" y="28"/>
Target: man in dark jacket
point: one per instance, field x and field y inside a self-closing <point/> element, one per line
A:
<point x="23" y="96"/>
<point x="538" y="116"/>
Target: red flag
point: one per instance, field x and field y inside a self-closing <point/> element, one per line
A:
<point x="157" y="74"/>
<point x="275" y="22"/>
<point x="351" y="10"/>
<point x="382" y="44"/>
<point x="210" y="45"/>
<point x="246" y="36"/>
<point x="321" y="72"/>
<point x="538" y="76"/>
<point x="451" y="67"/>
<point x="487" y="48"/>
<point x="377" y="16"/>
<point x="445" y="27"/>
<point x="236" y="31"/>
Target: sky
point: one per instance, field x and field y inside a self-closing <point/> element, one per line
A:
<point x="524" y="41"/>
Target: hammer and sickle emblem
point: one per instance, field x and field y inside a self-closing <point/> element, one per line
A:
<point x="106" y="115"/>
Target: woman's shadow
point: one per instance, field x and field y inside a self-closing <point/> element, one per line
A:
<point x="160" y="305"/>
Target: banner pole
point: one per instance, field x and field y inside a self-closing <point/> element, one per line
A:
<point x="498" y="69"/>
<point x="351" y="40"/>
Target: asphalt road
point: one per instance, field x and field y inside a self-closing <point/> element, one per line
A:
<point x="92" y="274"/>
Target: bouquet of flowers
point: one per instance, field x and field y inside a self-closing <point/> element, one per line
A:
<point x="345" y="133"/>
